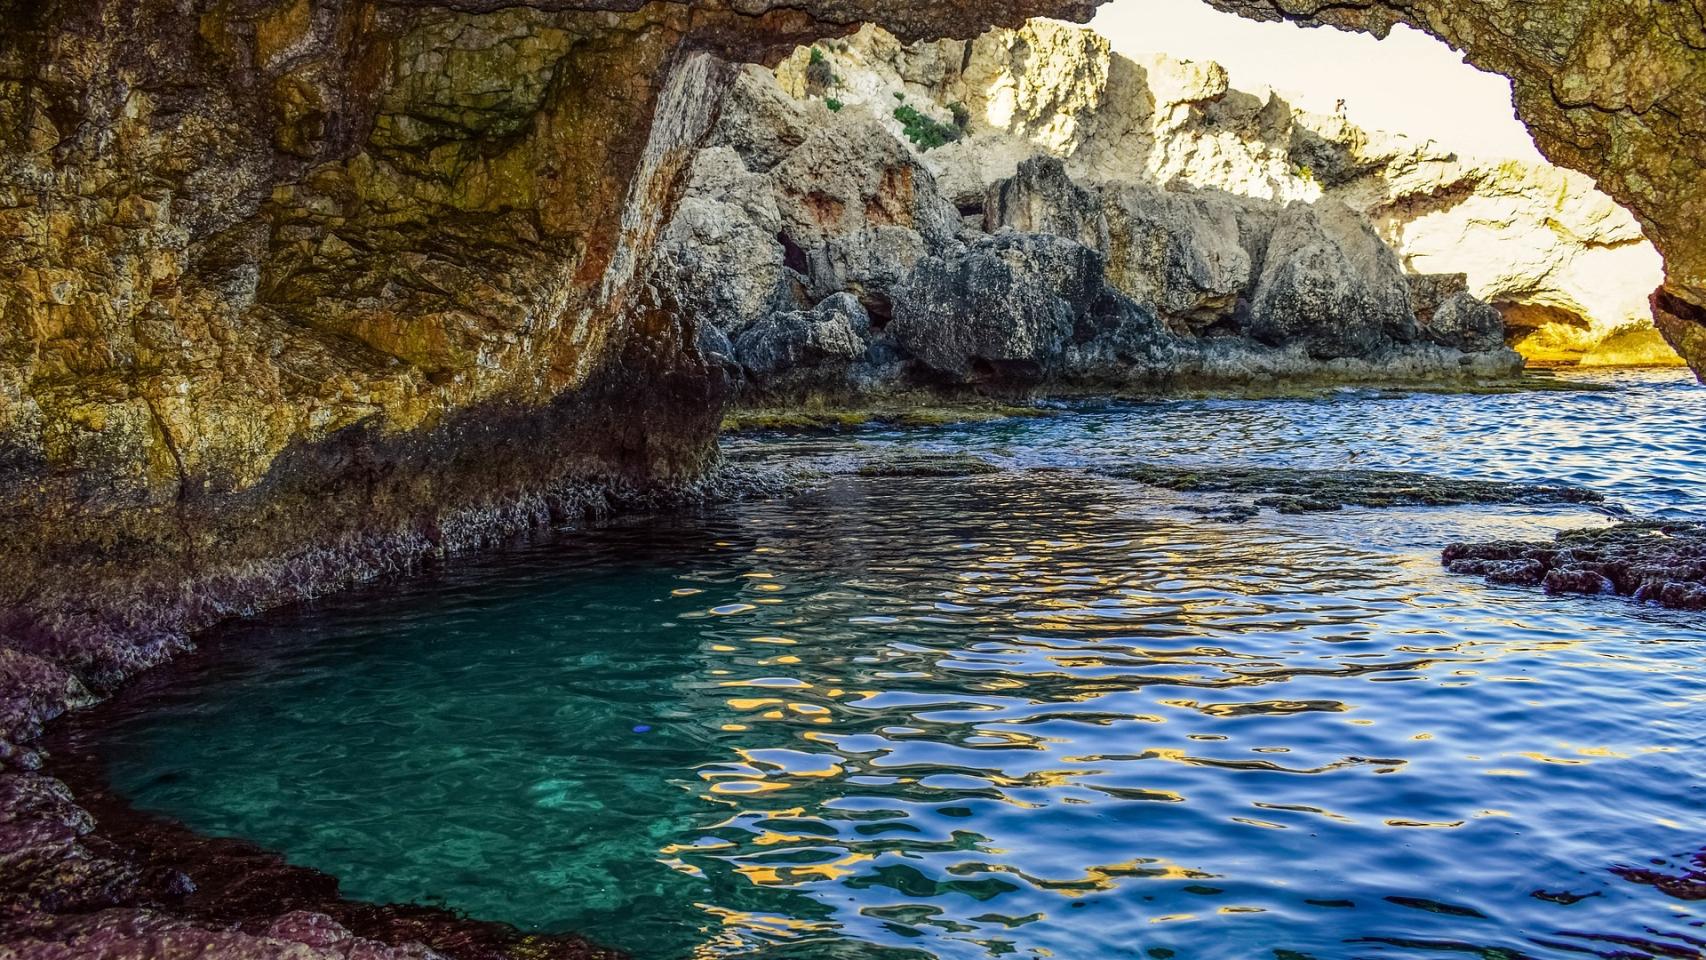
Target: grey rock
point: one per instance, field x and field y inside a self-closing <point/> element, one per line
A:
<point x="1467" y="324"/>
<point x="1041" y="198"/>
<point x="1118" y="341"/>
<point x="720" y="256"/>
<point x="816" y="349"/>
<point x="1330" y="284"/>
<point x="761" y="123"/>
<point x="1003" y="314"/>
<point x="1190" y="255"/>
<point x="861" y="207"/>
<point x="1429" y="290"/>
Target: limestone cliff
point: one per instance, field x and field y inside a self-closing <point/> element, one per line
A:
<point x="1568" y="266"/>
<point x="1612" y="88"/>
<point x="821" y="258"/>
<point x="298" y="289"/>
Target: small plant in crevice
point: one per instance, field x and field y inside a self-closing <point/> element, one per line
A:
<point x="820" y="74"/>
<point x="962" y="114"/>
<point x="833" y="104"/>
<point x="925" y="132"/>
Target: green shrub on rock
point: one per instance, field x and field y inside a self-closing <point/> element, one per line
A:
<point x="925" y="132"/>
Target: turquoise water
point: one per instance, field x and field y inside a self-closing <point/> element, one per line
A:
<point x="1039" y="713"/>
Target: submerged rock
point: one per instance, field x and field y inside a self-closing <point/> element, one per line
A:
<point x="1297" y="490"/>
<point x="860" y="209"/>
<point x="1656" y="562"/>
<point x="924" y="463"/>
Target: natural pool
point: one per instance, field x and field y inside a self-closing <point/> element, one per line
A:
<point x="1038" y="713"/>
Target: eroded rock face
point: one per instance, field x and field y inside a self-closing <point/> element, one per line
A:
<point x="1612" y="89"/>
<point x="823" y="249"/>
<point x="291" y="288"/>
<point x="1002" y="313"/>
<point x="1569" y="268"/>
<point x="1330" y="282"/>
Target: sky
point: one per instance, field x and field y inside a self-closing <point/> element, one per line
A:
<point x="1410" y="82"/>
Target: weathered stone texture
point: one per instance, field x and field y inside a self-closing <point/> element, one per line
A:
<point x="1613" y="88"/>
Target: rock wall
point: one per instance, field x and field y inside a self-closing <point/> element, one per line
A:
<point x="823" y="260"/>
<point x="1612" y="88"/>
<point x="295" y="289"/>
<point x="1568" y="266"/>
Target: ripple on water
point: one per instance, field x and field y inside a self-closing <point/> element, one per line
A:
<point x="1038" y="713"/>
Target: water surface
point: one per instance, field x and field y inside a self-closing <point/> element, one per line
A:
<point x="1040" y="713"/>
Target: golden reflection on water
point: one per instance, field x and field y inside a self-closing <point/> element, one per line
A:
<point x="1037" y="713"/>
<point x="1031" y="628"/>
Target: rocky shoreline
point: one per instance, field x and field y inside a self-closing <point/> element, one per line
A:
<point x="1650" y="562"/>
<point x="821" y="259"/>
<point x="82" y="873"/>
<point x="85" y="873"/>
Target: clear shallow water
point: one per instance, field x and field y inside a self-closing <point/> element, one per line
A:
<point x="1039" y="714"/>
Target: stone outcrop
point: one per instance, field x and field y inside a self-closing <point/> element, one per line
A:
<point x="1651" y="562"/>
<point x="1328" y="281"/>
<point x="824" y="251"/>
<point x="1612" y="89"/>
<point x="1569" y="268"/>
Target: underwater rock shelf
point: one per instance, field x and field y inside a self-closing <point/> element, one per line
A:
<point x="1662" y="563"/>
<point x="1291" y="490"/>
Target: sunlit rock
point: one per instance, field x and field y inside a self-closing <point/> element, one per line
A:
<point x="1610" y="89"/>
<point x="1568" y="267"/>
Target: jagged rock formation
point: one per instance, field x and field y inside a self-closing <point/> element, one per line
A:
<point x="1569" y="268"/>
<point x="823" y="250"/>
<point x="296" y="291"/>
<point x="1652" y="562"/>
<point x="1611" y="88"/>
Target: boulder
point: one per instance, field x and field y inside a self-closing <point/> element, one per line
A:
<point x="720" y="256"/>
<point x="1466" y="324"/>
<point x="1117" y="342"/>
<point x="800" y="348"/>
<point x="1191" y="255"/>
<point x="1003" y="314"/>
<point x="860" y="208"/>
<point x="1429" y="290"/>
<point x="1331" y="285"/>
<point x="761" y="122"/>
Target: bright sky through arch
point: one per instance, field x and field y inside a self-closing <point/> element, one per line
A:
<point x="1410" y="82"/>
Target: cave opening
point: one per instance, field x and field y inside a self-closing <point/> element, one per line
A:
<point x="1572" y="274"/>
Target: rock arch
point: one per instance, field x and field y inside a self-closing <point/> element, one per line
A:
<point x="1613" y="88"/>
